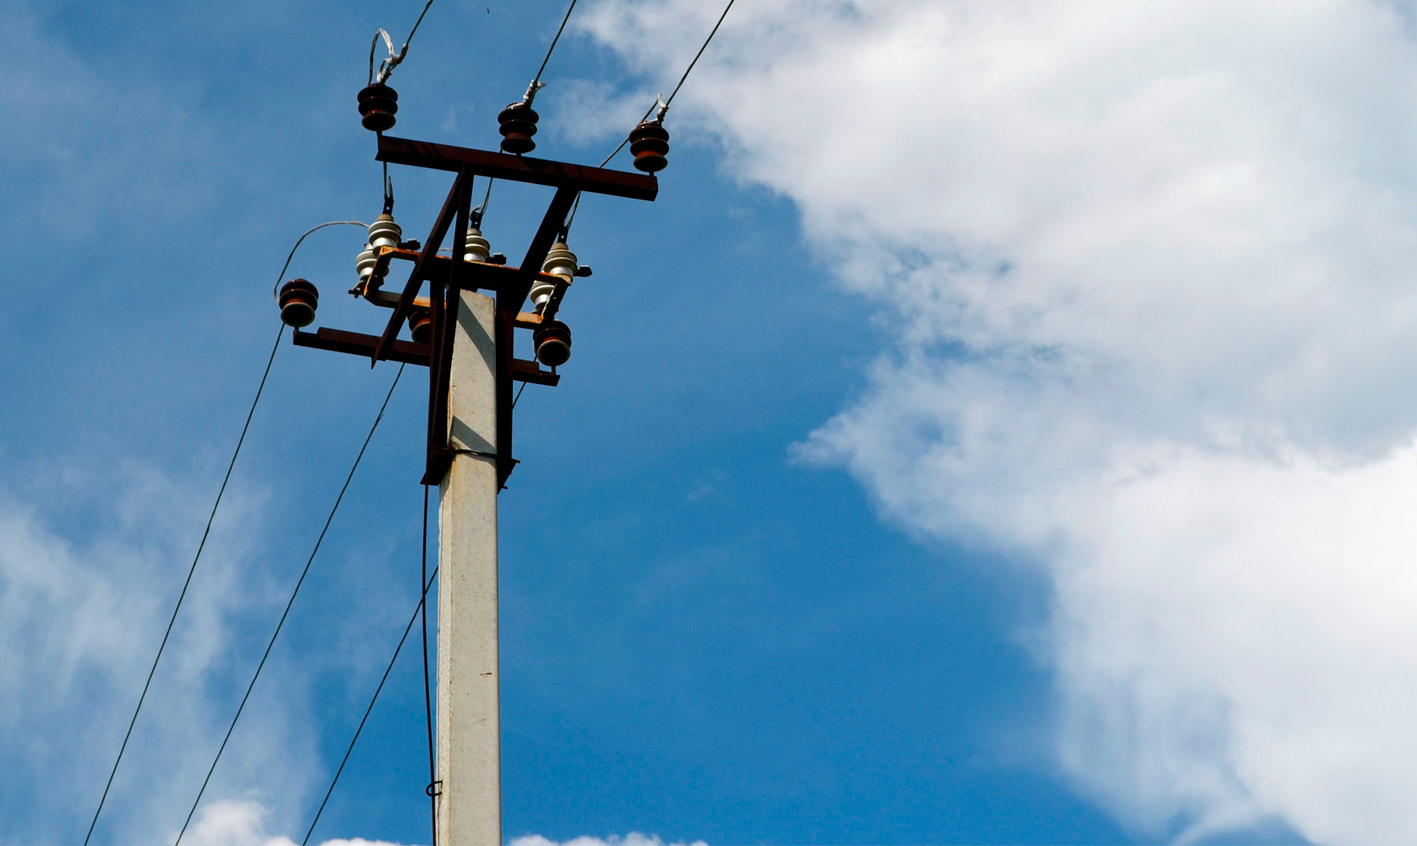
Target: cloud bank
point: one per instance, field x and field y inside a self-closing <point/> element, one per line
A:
<point x="1146" y="272"/>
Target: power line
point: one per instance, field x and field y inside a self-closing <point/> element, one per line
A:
<point x="190" y="570"/>
<point x="664" y="107"/>
<point x="711" y="34"/>
<point x="531" y="92"/>
<point x="375" y="698"/>
<point x="288" y="604"/>
<point x="283" y="268"/>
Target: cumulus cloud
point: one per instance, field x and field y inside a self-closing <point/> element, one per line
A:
<point x="242" y="822"/>
<point x="1145" y="268"/>
<point x="89" y="569"/>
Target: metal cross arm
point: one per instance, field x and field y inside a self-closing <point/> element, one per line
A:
<point x="592" y="180"/>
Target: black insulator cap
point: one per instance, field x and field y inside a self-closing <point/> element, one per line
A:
<point x="377" y="105"/>
<point x="553" y="343"/>
<point x="517" y="123"/>
<point x="420" y="324"/>
<point x="298" y="299"/>
<point x="649" y="144"/>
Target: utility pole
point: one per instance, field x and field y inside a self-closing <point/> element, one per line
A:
<point x="465" y="338"/>
<point x="469" y="798"/>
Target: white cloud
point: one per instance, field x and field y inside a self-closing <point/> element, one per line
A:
<point x="89" y="569"/>
<point x="1148" y="269"/>
<point x="242" y="822"/>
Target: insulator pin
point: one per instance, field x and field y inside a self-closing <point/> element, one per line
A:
<point x="553" y="343"/>
<point x="377" y="105"/>
<point x="560" y="261"/>
<point x="298" y="300"/>
<point x="517" y="123"/>
<point x="649" y="144"/>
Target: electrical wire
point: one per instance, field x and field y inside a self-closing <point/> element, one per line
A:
<point x="294" y="593"/>
<point x="427" y="686"/>
<point x="190" y="570"/>
<point x="275" y="292"/>
<point x="536" y="83"/>
<point x="662" y="106"/>
<point x="482" y="209"/>
<point x="711" y="34"/>
<point x="387" y="66"/>
<point x="428" y="583"/>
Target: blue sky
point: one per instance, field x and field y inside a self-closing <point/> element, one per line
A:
<point x="993" y="433"/>
<point x="703" y="638"/>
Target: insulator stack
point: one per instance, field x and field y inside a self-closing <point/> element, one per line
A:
<point x="553" y="343"/>
<point x="560" y="261"/>
<point x="377" y="105"/>
<point x="478" y="248"/>
<point x="649" y="144"/>
<point x="517" y="123"/>
<point x="420" y="324"/>
<point x="383" y="232"/>
<point x="298" y="301"/>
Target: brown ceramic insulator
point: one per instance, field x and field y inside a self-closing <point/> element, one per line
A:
<point x="298" y="300"/>
<point x="517" y="123"/>
<point x="649" y="144"/>
<point x="377" y="105"/>
<point x="420" y="324"/>
<point x="553" y="343"/>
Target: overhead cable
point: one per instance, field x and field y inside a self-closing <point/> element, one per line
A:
<point x="536" y="83"/>
<point x="427" y="686"/>
<point x="397" y="649"/>
<point x="190" y="570"/>
<point x="660" y="104"/>
<point x="283" y="268"/>
<point x="294" y="593"/>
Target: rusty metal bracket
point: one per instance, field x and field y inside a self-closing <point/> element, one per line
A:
<point x="448" y="276"/>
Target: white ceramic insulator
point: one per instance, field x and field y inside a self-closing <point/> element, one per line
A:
<point x="383" y="232"/>
<point x="559" y="261"/>
<point x="365" y="263"/>
<point x="478" y="248"/>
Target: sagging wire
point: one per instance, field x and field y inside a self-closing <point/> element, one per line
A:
<point x="291" y="602"/>
<point x="659" y="110"/>
<point x="427" y="584"/>
<point x="387" y="66"/>
<point x="190" y="571"/>
<point x="275" y="292"/>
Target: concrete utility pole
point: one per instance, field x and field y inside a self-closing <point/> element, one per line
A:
<point x="465" y="338"/>
<point x="469" y="800"/>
